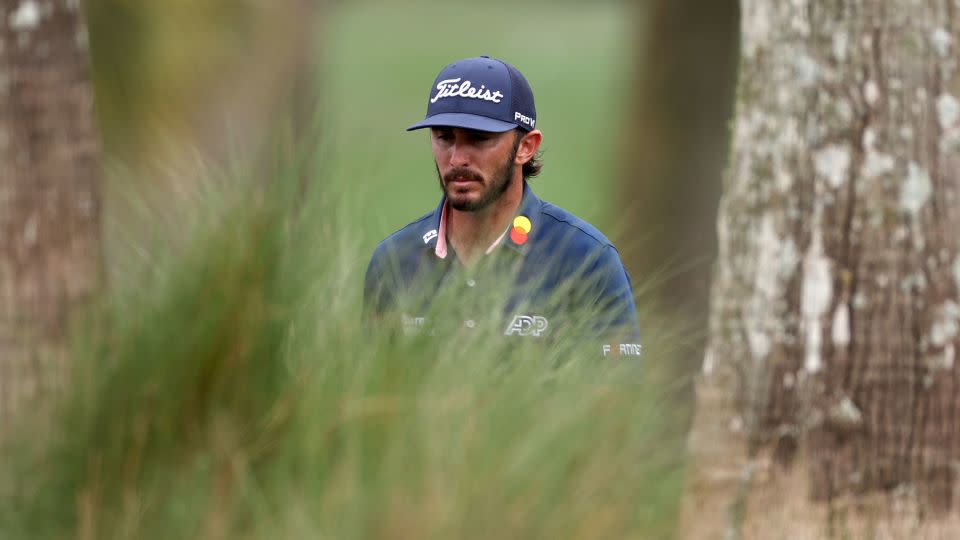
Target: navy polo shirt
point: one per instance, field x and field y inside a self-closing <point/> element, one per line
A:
<point x="560" y="279"/>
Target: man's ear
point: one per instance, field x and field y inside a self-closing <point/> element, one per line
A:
<point x="528" y="146"/>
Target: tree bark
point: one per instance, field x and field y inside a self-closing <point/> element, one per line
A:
<point x="829" y="399"/>
<point x="49" y="198"/>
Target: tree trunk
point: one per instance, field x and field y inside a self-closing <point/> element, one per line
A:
<point x="267" y="90"/>
<point x="218" y="78"/>
<point x="676" y="144"/>
<point x="829" y="401"/>
<point x="49" y="199"/>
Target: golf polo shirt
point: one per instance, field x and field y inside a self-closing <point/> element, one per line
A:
<point x="550" y="276"/>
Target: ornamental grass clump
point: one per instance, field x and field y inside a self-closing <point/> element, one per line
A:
<point x="228" y="388"/>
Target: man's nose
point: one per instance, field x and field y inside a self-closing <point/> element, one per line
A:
<point x="459" y="154"/>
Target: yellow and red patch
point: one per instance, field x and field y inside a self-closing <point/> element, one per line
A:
<point x="520" y="230"/>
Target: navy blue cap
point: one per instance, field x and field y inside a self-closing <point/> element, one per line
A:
<point x="480" y="93"/>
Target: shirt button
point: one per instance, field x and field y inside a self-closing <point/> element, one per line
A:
<point x="471" y="282"/>
<point x="469" y="323"/>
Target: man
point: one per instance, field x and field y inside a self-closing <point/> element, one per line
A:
<point x="492" y="254"/>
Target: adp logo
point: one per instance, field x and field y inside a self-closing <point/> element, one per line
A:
<point x="527" y="325"/>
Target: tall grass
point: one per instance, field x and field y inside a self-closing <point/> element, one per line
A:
<point x="228" y="389"/>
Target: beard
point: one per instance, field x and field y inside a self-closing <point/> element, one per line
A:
<point x="491" y="190"/>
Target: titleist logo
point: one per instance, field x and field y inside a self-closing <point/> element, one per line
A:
<point x="454" y="88"/>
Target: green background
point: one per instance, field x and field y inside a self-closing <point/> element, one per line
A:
<point x="380" y="63"/>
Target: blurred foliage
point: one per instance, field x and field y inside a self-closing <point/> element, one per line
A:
<point x="229" y="391"/>
<point x="224" y="385"/>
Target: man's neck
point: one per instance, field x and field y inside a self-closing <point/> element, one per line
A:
<point x="471" y="233"/>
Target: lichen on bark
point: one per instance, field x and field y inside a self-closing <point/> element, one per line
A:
<point x="49" y="194"/>
<point x="845" y="154"/>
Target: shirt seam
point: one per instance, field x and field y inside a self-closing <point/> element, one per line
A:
<point x="602" y="243"/>
<point x="390" y="237"/>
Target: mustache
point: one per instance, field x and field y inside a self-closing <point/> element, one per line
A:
<point x="464" y="173"/>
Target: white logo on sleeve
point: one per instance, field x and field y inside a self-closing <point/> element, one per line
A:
<point x="429" y="236"/>
<point x="623" y="349"/>
<point x="412" y="325"/>
<point x="527" y="325"/>
<point x="454" y="88"/>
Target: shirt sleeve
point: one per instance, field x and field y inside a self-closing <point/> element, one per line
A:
<point x="616" y="330"/>
<point x="376" y="293"/>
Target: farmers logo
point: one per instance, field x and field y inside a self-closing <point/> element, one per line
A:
<point x="622" y="349"/>
<point x="527" y="325"/>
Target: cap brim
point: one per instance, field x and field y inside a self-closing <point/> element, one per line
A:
<point x="464" y="120"/>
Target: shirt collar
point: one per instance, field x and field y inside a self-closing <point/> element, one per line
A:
<point x="530" y="208"/>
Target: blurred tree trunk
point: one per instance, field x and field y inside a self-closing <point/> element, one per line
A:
<point x="676" y="147"/>
<point x="269" y="90"/>
<point x="829" y="401"/>
<point x="49" y="198"/>
<point x="197" y="90"/>
<point x="215" y="78"/>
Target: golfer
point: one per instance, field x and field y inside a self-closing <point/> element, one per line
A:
<point x="492" y="253"/>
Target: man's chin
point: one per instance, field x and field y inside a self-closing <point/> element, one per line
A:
<point x="462" y="204"/>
